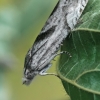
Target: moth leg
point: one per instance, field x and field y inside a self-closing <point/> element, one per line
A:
<point x="43" y="71"/>
<point x="64" y="52"/>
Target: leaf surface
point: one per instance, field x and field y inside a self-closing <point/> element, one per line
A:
<point x="80" y="74"/>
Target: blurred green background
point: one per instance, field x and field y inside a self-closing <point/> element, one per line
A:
<point x="20" y="23"/>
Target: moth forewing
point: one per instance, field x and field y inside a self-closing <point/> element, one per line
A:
<point x="61" y="21"/>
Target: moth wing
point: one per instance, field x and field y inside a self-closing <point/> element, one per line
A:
<point x="42" y="39"/>
<point x="45" y="33"/>
<point x="27" y="58"/>
<point x="74" y="11"/>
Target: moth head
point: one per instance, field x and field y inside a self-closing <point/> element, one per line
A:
<point x="29" y="75"/>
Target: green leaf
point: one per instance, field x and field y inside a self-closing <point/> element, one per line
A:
<point x="80" y="74"/>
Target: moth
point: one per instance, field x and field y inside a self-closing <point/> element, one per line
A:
<point x="60" y="23"/>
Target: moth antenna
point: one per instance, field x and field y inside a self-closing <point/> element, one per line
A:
<point x="64" y="52"/>
<point x="67" y="53"/>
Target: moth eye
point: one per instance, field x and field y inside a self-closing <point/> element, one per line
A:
<point x="29" y="75"/>
<point x="30" y="72"/>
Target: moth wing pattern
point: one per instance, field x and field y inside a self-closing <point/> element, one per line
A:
<point x="41" y="39"/>
<point x="74" y="11"/>
<point x="60" y="23"/>
<point x="46" y="31"/>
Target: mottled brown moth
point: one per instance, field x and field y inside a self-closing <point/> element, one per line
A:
<point x="60" y="23"/>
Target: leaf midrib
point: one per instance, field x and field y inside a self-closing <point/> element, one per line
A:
<point x="85" y="29"/>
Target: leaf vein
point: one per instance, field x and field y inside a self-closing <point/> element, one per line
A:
<point x="82" y="44"/>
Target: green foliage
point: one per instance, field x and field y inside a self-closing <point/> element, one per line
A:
<point x="80" y="74"/>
